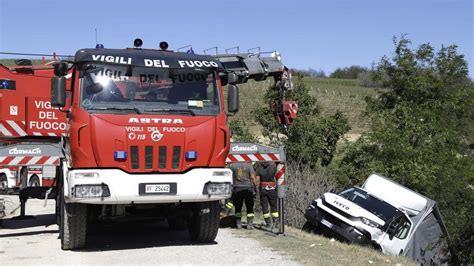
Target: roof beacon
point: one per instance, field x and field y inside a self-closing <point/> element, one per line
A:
<point x="163" y="45"/>
<point x="99" y="46"/>
<point x="138" y="43"/>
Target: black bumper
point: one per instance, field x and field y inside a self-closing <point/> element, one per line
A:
<point x="331" y="225"/>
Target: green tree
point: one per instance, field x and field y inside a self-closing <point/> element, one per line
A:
<point x="351" y="72"/>
<point x="240" y="132"/>
<point x="418" y="130"/>
<point x="311" y="139"/>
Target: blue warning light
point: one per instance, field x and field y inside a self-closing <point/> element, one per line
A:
<point x="120" y="155"/>
<point x="99" y="46"/>
<point x="191" y="155"/>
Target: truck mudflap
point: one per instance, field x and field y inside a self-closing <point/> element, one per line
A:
<point x="333" y="226"/>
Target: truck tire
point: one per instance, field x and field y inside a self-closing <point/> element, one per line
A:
<point x="24" y="177"/>
<point x="73" y="228"/>
<point x="3" y="184"/>
<point x="34" y="181"/>
<point x="204" y="223"/>
<point x="177" y="223"/>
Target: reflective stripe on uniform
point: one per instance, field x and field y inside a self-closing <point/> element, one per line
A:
<point x="250" y="215"/>
<point x="274" y="214"/>
<point x="229" y="205"/>
<point x="238" y="214"/>
<point x="266" y="215"/>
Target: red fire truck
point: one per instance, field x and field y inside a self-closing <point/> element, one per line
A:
<point x="146" y="133"/>
<point x="26" y="116"/>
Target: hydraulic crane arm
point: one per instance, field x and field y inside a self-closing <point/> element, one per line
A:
<point x="257" y="67"/>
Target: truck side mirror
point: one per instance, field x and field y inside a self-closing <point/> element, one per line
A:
<point x="233" y="98"/>
<point x="60" y="69"/>
<point x="229" y="78"/>
<point x="232" y="78"/>
<point x="58" y="91"/>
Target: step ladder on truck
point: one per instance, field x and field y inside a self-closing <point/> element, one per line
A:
<point x="146" y="134"/>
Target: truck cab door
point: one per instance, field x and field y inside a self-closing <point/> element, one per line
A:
<point x="396" y="236"/>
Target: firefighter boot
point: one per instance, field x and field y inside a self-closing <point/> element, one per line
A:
<point x="250" y="223"/>
<point x="268" y="223"/>
<point x="238" y="223"/>
<point x="276" y="223"/>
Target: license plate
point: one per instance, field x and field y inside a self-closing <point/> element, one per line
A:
<point x="157" y="188"/>
<point x="326" y="223"/>
<point x="161" y="188"/>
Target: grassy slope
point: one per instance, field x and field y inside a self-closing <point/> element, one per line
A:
<point x="313" y="249"/>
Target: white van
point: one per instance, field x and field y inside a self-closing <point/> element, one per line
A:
<point x="385" y="215"/>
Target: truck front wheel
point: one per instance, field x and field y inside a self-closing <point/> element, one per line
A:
<point x="73" y="226"/>
<point x="204" y="222"/>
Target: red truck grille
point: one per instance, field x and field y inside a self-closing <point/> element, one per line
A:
<point x="156" y="158"/>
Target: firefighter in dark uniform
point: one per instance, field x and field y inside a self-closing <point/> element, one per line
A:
<point x="265" y="173"/>
<point x="244" y="186"/>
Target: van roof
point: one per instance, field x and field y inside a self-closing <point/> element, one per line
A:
<point x="395" y="194"/>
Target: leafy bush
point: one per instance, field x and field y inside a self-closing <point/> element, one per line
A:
<point x="419" y="124"/>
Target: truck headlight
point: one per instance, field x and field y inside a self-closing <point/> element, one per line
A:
<point x="86" y="175"/>
<point x="369" y="222"/>
<point x="213" y="188"/>
<point x="91" y="191"/>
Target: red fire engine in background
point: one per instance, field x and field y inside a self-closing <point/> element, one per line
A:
<point x="130" y="133"/>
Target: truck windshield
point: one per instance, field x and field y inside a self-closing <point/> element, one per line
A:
<point x="380" y="208"/>
<point x="115" y="88"/>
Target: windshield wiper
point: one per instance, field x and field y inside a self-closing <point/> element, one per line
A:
<point x="174" y="111"/>
<point x="120" y="108"/>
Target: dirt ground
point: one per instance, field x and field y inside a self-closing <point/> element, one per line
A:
<point x="35" y="241"/>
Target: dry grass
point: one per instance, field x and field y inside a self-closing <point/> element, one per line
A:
<point x="304" y="186"/>
<point x="313" y="249"/>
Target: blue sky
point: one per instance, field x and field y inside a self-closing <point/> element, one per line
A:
<point x="310" y="34"/>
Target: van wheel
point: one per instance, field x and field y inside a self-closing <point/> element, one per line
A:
<point x="34" y="181"/>
<point x="204" y="223"/>
<point x="73" y="228"/>
<point x="3" y="184"/>
<point x="308" y="227"/>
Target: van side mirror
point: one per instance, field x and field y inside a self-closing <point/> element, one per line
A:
<point x="233" y="101"/>
<point x="60" y="69"/>
<point x="392" y="228"/>
<point x="58" y="91"/>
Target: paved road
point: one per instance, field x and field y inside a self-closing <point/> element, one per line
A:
<point x="35" y="241"/>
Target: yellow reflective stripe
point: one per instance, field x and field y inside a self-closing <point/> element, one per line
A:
<point x="274" y="214"/>
<point x="238" y="214"/>
<point x="266" y="215"/>
<point x="229" y="205"/>
<point x="250" y="215"/>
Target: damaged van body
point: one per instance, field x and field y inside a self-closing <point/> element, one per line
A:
<point x="385" y="215"/>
